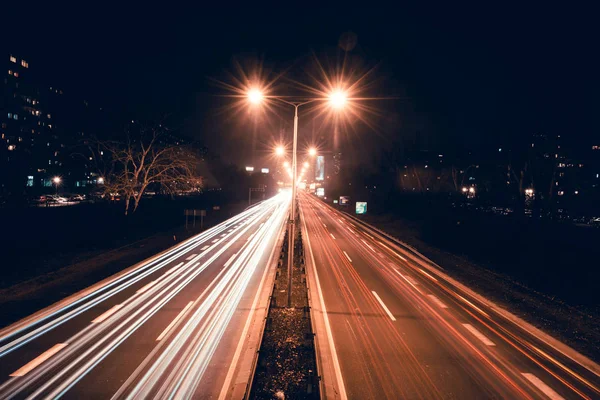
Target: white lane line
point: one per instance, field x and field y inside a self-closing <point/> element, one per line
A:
<point x="332" y="236"/>
<point x="230" y="260"/>
<point x="339" y="219"/>
<point x="205" y="247"/>
<point x="396" y="254"/>
<point x="334" y="355"/>
<point x="547" y="390"/>
<point x="383" y="305"/>
<point x="437" y="301"/>
<point x="325" y="226"/>
<point x="148" y="286"/>
<point x="231" y="230"/>
<point x="425" y="273"/>
<point x="369" y="235"/>
<point x="39" y="359"/>
<point x="479" y="335"/>
<point x="368" y="245"/>
<point x="223" y="234"/>
<point x="351" y="231"/>
<point x="350" y="223"/>
<point x="215" y="241"/>
<point x="173" y="269"/>
<point x="473" y="305"/>
<point x="190" y="257"/>
<point x="172" y="324"/>
<point x="347" y="256"/>
<point x="409" y="282"/>
<point x="106" y="314"/>
<point x="250" y="237"/>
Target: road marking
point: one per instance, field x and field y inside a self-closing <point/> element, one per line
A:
<point x="106" y="314"/>
<point x="383" y="305"/>
<point x="336" y="361"/>
<point x="223" y="234"/>
<point x="325" y="226"/>
<point x="351" y="231"/>
<point x="396" y="254"/>
<point x="190" y="257"/>
<point x="347" y="256"/>
<point x="368" y="235"/>
<point x="354" y="226"/>
<point x="148" y="286"/>
<point x="39" y="359"/>
<point x="230" y="260"/>
<point x="409" y="282"/>
<point x="473" y="305"/>
<point x="479" y="335"/>
<point x="425" y="273"/>
<point x="250" y="237"/>
<point x="369" y="246"/>
<point x="437" y="301"/>
<point x="172" y="324"/>
<point x="205" y="247"/>
<point x="215" y="241"/>
<point x="173" y="269"/>
<point x="547" y="390"/>
<point x="332" y="236"/>
<point x="339" y="219"/>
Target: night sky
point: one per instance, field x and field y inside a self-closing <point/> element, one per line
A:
<point x="471" y="76"/>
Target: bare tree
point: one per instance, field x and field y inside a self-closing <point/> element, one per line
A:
<point x="130" y="168"/>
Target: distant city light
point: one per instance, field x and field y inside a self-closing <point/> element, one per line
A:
<point x="100" y="180"/>
<point x="286" y="164"/>
<point x="249" y="169"/>
<point x="56" y="180"/>
<point x="306" y="164"/>
<point x="265" y="170"/>
<point x="280" y="150"/>
<point x="312" y="151"/>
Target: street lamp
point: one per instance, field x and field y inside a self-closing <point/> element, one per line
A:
<point x="312" y="152"/>
<point x="306" y="164"/>
<point x="56" y="181"/>
<point x="337" y="99"/>
<point x="255" y="96"/>
<point x="279" y="151"/>
<point x="100" y="180"/>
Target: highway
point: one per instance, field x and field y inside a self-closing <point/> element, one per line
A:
<point x="174" y="326"/>
<point x="390" y="325"/>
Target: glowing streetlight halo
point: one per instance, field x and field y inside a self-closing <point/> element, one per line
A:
<point x="338" y="98"/>
<point x="255" y="96"/>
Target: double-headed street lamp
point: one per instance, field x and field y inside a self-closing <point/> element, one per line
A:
<point x="337" y="99"/>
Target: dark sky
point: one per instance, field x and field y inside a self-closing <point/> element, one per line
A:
<point x="474" y="75"/>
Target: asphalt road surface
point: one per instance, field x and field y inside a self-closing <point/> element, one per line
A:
<point x="399" y="328"/>
<point x="170" y="327"/>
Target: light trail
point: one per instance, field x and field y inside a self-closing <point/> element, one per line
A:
<point x="95" y="342"/>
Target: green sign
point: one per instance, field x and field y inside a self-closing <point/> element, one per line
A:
<point x="361" y="207"/>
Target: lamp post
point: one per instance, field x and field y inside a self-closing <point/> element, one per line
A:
<point x="56" y="181"/>
<point x="337" y="99"/>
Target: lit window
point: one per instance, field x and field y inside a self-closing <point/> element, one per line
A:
<point x="15" y="116"/>
<point x="24" y="63"/>
<point x="11" y="147"/>
<point x="560" y="192"/>
<point x="29" y="180"/>
<point x="595" y="147"/>
<point x="13" y="59"/>
<point x="49" y="116"/>
<point x="9" y="115"/>
<point x="16" y="74"/>
<point x="10" y="72"/>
